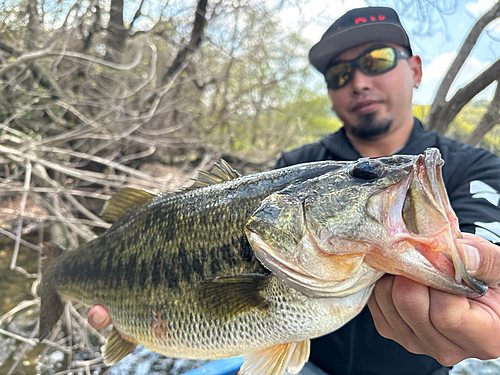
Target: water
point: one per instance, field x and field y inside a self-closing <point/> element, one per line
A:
<point x="477" y="367"/>
<point x="44" y="360"/>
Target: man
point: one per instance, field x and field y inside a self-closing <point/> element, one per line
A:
<point x="370" y="72"/>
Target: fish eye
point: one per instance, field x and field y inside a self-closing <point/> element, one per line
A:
<point x="368" y="169"/>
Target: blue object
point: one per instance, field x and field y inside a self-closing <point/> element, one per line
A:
<point x="226" y="366"/>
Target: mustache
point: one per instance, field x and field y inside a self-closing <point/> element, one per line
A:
<point x="364" y="98"/>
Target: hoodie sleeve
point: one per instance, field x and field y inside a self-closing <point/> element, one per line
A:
<point x="475" y="195"/>
<point x="282" y="162"/>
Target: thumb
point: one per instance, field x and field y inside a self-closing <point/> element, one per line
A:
<point x="482" y="258"/>
<point x="98" y="317"/>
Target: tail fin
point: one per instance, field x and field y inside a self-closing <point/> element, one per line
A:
<point x="51" y="306"/>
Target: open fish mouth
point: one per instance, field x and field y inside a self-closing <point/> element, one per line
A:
<point x="422" y="231"/>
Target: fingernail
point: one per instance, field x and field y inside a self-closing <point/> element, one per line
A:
<point x="98" y="318"/>
<point x="471" y="257"/>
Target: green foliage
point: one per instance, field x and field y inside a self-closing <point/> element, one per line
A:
<point x="421" y="111"/>
<point x="465" y="122"/>
<point x="312" y="116"/>
<point x="304" y="120"/>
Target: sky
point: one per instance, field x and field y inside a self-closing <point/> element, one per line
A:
<point x="437" y="51"/>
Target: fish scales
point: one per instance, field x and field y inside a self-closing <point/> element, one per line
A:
<point x="258" y="265"/>
<point x="185" y="330"/>
<point x="204" y="246"/>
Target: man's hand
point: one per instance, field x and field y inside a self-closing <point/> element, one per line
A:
<point x="447" y="327"/>
<point x="98" y="317"/>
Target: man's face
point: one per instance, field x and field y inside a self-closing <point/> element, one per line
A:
<point x="371" y="106"/>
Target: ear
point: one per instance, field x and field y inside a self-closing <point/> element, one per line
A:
<point x="416" y="69"/>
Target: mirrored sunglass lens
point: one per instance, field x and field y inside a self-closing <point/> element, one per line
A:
<point x="378" y="61"/>
<point x="338" y="75"/>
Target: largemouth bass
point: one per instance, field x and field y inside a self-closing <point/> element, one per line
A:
<point x="258" y="265"/>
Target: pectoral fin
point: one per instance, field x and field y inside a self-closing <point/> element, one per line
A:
<point x="276" y="359"/>
<point x="117" y="347"/>
<point x="231" y="295"/>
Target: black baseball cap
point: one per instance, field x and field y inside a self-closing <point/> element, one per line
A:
<point x="356" y="27"/>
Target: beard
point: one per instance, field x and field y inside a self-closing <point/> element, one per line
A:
<point x="370" y="127"/>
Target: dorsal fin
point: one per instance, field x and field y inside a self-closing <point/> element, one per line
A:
<point x="220" y="173"/>
<point x="122" y="200"/>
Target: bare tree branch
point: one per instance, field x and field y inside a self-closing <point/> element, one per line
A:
<point x="27" y="181"/>
<point x="30" y="56"/>
<point x="466" y="94"/>
<point x="199" y="24"/>
<point x="137" y="14"/>
<point x="442" y="112"/>
<point x="488" y="121"/>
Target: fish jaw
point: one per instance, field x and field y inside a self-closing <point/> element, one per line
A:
<point x="422" y="229"/>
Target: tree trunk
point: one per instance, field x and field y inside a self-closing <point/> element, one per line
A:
<point x="33" y="27"/>
<point x="181" y="61"/>
<point x="200" y="21"/>
<point x="117" y="32"/>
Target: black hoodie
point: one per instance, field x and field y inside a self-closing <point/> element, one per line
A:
<point x="472" y="180"/>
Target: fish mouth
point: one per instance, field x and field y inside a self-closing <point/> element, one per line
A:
<point x="422" y="231"/>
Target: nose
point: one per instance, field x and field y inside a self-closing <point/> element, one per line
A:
<point x="360" y="82"/>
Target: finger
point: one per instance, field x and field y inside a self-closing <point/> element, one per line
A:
<point x="387" y="319"/>
<point x="414" y="304"/>
<point x="379" y="320"/>
<point x="98" y="317"/>
<point x="457" y="318"/>
<point x="482" y="258"/>
<point x="449" y="314"/>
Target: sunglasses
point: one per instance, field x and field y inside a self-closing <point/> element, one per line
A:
<point x="371" y="63"/>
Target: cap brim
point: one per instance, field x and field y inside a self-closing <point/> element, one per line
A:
<point x="322" y="53"/>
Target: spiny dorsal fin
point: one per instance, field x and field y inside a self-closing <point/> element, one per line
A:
<point x="116" y="347"/>
<point x="220" y="173"/>
<point x="225" y="171"/>
<point x="122" y="200"/>
<point x="231" y="295"/>
<point x="276" y="359"/>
